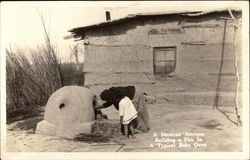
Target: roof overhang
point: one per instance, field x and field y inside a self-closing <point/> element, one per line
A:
<point x="78" y="32"/>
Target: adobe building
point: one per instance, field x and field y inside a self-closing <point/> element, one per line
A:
<point x="137" y="48"/>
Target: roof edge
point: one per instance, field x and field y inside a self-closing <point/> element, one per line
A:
<point x="131" y="16"/>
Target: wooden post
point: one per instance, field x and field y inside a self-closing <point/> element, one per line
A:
<point x="236" y="71"/>
<point x="216" y="99"/>
<point x="238" y="79"/>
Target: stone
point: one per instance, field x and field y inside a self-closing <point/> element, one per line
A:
<point x="68" y="112"/>
<point x="150" y="99"/>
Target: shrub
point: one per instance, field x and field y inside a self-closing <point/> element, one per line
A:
<point x="30" y="79"/>
<point x="72" y="74"/>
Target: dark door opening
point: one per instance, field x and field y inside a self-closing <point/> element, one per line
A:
<point x="164" y="60"/>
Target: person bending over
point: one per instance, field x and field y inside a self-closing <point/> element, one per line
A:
<point x="111" y="97"/>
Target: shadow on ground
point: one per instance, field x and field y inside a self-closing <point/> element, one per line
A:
<point x="211" y="124"/>
<point x="27" y="124"/>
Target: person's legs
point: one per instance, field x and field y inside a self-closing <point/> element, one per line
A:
<point x="122" y="129"/>
<point x="126" y="130"/>
<point x="132" y="130"/>
<point x="142" y="113"/>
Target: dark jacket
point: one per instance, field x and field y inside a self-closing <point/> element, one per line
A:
<point x="113" y="95"/>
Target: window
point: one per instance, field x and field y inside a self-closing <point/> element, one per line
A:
<point x="164" y="60"/>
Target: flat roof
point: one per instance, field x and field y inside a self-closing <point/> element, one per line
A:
<point x="146" y="14"/>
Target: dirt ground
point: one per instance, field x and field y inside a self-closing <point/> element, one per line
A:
<point x="182" y="119"/>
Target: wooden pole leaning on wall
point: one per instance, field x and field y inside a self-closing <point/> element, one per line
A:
<point x="216" y="99"/>
<point x="236" y="71"/>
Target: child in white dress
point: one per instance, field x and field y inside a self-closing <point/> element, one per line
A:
<point x="128" y="115"/>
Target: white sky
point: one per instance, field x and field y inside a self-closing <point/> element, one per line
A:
<point x="21" y="25"/>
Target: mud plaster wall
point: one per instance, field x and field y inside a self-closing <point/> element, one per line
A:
<point x="124" y="52"/>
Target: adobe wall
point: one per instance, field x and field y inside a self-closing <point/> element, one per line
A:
<point x="124" y="52"/>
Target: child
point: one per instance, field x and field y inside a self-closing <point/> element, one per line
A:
<point x="128" y="116"/>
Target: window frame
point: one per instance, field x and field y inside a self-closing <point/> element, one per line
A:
<point x="164" y="48"/>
